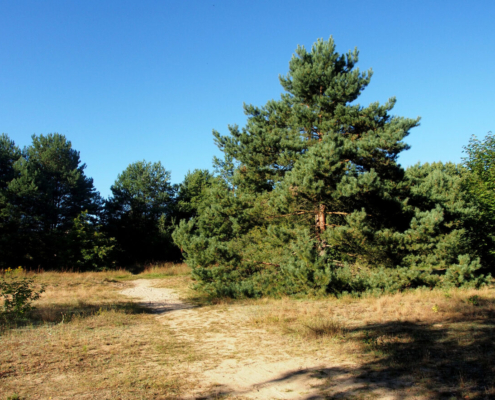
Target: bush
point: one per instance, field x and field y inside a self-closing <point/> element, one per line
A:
<point x="18" y="293"/>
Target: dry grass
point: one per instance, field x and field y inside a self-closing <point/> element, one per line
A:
<point x="443" y="340"/>
<point x="85" y="340"/>
<point x="161" y="270"/>
<point x="322" y="327"/>
<point x="83" y="293"/>
<point x="107" y="355"/>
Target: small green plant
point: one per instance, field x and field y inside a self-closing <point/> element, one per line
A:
<point x="474" y="300"/>
<point x="370" y="340"/>
<point x="18" y="293"/>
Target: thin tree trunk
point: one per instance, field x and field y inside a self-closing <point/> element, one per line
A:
<point x="321" y="218"/>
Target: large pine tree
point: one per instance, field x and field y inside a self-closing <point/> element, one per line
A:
<point x="311" y="185"/>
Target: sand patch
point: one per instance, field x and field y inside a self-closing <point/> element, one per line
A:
<point x="239" y="361"/>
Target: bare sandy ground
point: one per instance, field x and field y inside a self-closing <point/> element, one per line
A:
<point x="239" y="361"/>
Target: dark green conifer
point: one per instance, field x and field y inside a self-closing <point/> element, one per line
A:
<point x="314" y="200"/>
<point x="44" y="189"/>
<point x="10" y="217"/>
<point x="313" y="193"/>
<point x="480" y="183"/>
<point x="191" y="193"/>
<point x="138" y="214"/>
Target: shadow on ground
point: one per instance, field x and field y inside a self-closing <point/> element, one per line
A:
<point x="67" y="312"/>
<point x="161" y="307"/>
<point x="451" y="360"/>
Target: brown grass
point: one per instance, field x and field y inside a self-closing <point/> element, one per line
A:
<point x="322" y="327"/>
<point x="443" y="340"/>
<point x="85" y="340"/>
<point x="82" y="293"/>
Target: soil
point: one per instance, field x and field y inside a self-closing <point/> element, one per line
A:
<point x="236" y="360"/>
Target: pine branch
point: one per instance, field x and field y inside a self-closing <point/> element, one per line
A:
<point x="264" y="263"/>
<point x="308" y="212"/>
<point x="288" y="215"/>
<point x="338" y="263"/>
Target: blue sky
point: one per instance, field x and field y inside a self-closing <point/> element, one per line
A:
<point x="133" y="80"/>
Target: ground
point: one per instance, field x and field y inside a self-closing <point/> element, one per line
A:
<point x="110" y="336"/>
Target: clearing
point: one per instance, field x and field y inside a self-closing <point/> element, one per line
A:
<point x="110" y="335"/>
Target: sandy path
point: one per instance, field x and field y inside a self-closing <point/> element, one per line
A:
<point x="239" y="361"/>
<point x="158" y="300"/>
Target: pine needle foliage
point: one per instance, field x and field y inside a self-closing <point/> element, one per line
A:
<point x="310" y="198"/>
<point x="480" y="161"/>
<point x="43" y="189"/>
<point x="138" y="214"/>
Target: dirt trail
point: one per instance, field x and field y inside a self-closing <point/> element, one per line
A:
<point x="158" y="300"/>
<point x="239" y="361"/>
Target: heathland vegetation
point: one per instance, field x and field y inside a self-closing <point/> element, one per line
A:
<point x="310" y="197"/>
<point x="86" y="340"/>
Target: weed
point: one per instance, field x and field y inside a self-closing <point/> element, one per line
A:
<point x="474" y="300"/>
<point x="370" y="341"/>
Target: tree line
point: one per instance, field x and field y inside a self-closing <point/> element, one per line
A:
<point x="52" y="217"/>
<point x="309" y="198"/>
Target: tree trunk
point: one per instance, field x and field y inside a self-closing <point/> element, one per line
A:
<point x="320" y="219"/>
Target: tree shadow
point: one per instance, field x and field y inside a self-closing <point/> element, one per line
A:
<point x="161" y="307"/>
<point x="335" y="383"/>
<point x="54" y="314"/>
<point x="453" y="359"/>
<point x="456" y="361"/>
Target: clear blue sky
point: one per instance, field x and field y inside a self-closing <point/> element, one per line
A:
<point x="133" y="80"/>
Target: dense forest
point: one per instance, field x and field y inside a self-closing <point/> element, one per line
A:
<point x="309" y="198"/>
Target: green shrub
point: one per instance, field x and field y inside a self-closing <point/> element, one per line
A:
<point x="18" y="293"/>
<point x="474" y="300"/>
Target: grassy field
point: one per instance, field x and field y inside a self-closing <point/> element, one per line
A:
<point x="444" y="342"/>
<point x="85" y="340"/>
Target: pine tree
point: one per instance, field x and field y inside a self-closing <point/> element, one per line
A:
<point x="64" y="191"/>
<point x="480" y="162"/>
<point x="312" y="191"/>
<point x="138" y="214"/>
<point x="88" y="248"/>
<point x="9" y="154"/>
<point x="44" y="190"/>
<point x="191" y="193"/>
<point x="10" y="219"/>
